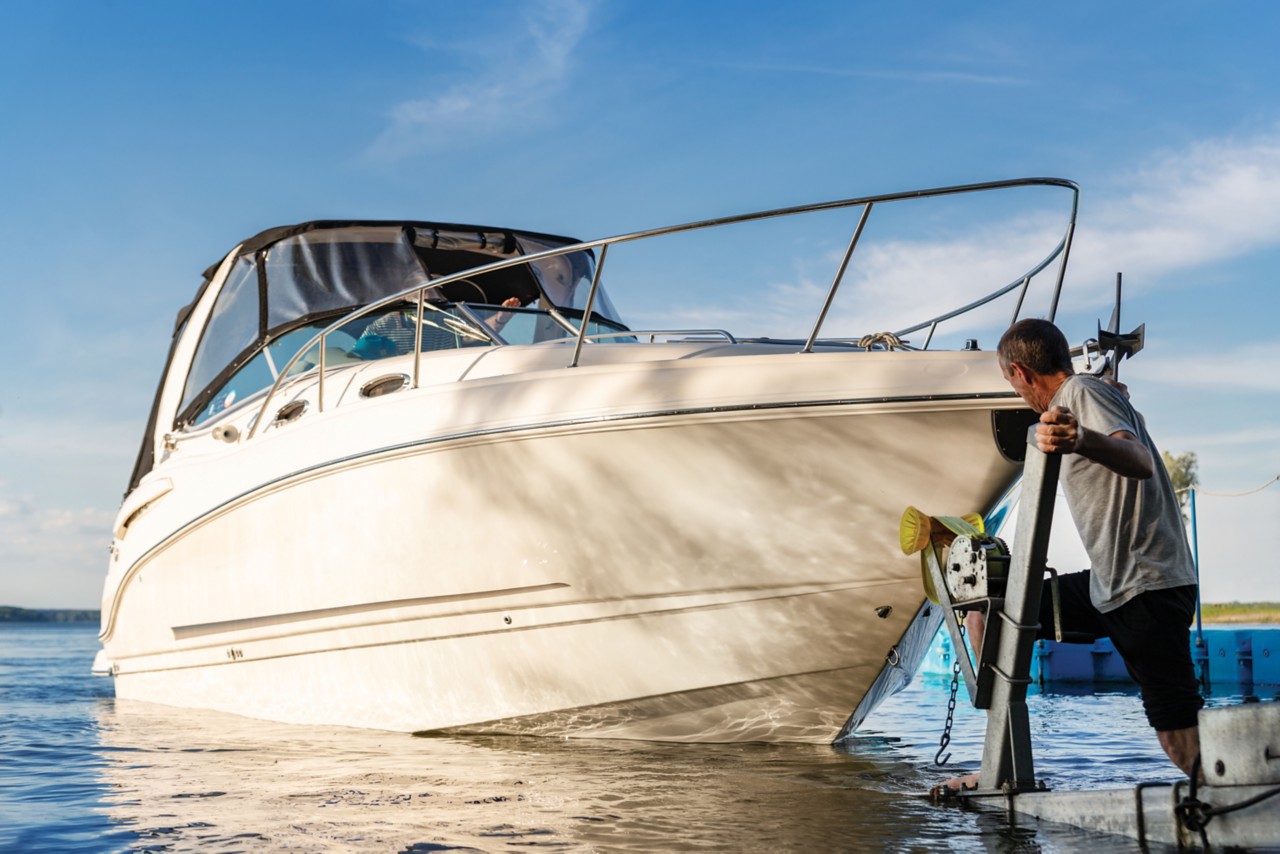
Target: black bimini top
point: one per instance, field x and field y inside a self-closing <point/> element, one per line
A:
<point x="293" y="276"/>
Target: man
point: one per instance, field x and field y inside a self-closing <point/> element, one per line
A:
<point x="1141" y="589"/>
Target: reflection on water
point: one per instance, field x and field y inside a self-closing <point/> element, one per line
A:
<point x="82" y="771"/>
<point x="182" y="778"/>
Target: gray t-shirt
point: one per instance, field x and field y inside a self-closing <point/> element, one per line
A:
<point x="1132" y="529"/>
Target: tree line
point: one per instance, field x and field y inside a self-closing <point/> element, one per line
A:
<point x="11" y="614"/>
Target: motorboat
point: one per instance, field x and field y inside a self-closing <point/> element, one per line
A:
<point x="423" y="477"/>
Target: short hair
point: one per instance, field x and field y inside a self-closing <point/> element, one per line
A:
<point x="1038" y="344"/>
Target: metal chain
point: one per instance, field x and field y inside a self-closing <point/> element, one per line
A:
<point x="945" y="740"/>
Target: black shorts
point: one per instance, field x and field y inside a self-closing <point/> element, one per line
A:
<point x="1152" y="633"/>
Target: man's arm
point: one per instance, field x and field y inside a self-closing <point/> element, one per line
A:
<point x="1060" y="433"/>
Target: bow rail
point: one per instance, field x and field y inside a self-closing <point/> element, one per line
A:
<point x="478" y="329"/>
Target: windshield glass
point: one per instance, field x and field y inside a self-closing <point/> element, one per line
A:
<point x="261" y="371"/>
<point x="282" y="293"/>
<point x="531" y="326"/>
<point x="232" y="327"/>
<point x="566" y="279"/>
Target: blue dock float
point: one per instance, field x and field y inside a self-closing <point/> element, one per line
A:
<point x="1266" y="657"/>
<point x="1231" y="658"/>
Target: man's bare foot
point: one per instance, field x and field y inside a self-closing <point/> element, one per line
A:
<point x="954" y="786"/>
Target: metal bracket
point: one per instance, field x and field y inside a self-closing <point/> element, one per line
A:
<point x="999" y="681"/>
<point x="977" y="678"/>
<point x="1007" y="760"/>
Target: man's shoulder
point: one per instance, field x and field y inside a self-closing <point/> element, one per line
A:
<point x="1100" y="404"/>
<point x="1078" y="386"/>
<point x="1087" y="385"/>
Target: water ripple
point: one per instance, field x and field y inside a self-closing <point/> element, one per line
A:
<point x="80" y="771"/>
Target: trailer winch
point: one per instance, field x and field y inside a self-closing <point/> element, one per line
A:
<point x="977" y="569"/>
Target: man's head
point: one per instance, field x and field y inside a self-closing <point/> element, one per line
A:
<point x="1035" y="358"/>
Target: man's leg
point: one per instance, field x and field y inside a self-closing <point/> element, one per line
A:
<point x="1151" y="633"/>
<point x="975" y="623"/>
<point x="1182" y="746"/>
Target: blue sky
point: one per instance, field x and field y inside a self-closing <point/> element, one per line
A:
<point x="141" y="141"/>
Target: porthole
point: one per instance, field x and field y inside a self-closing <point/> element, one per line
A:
<point x="389" y="384"/>
<point x="290" y="412"/>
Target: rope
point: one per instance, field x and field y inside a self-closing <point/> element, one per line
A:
<point x="1195" y="815"/>
<point x="1256" y="799"/>
<point x="885" y="339"/>
<point x="1271" y="482"/>
<point x="1190" y="810"/>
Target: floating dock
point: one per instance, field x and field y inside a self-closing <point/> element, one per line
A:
<point x="1233" y="660"/>
<point x="1237" y="805"/>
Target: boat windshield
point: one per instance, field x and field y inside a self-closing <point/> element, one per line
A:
<point x="281" y="293"/>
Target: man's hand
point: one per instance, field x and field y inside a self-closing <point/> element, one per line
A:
<point x="500" y="318"/>
<point x="1059" y="432"/>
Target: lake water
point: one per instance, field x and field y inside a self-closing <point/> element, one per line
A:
<point x="80" y="771"/>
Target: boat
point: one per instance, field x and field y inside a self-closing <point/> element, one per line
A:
<point x="422" y="477"/>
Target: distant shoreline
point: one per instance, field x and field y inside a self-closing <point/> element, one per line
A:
<point x="1241" y="612"/>
<point x="64" y="616"/>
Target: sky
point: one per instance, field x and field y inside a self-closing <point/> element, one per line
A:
<point x="140" y="141"/>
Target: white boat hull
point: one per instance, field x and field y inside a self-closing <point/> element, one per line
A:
<point x="707" y="571"/>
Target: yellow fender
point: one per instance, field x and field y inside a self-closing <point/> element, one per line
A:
<point x="919" y="531"/>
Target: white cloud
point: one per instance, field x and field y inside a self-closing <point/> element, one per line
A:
<point x="521" y="74"/>
<point x="59" y="487"/>
<point x="1210" y="202"/>
<point x="51" y="553"/>
<point x="63" y="463"/>
<point x="30" y="530"/>
<point x="1255" y="435"/>
<point x="893" y="284"/>
<point x="1250" y="367"/>
<point x="1215" y="200"/>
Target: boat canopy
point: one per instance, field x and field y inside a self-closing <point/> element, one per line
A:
<point x="288" y="278"/>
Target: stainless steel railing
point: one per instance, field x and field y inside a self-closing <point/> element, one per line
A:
<point x="1060" y="252"/>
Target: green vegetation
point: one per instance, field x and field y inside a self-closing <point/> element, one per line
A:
<point x="1182" y="471"/>
<point x="1240" y="612"/>
<point x="10" y="614"/>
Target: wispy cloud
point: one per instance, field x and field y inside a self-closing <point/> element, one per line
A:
<point x="1190" y="208"/>
<point x="519" y="74"/>
<point x="1253" y="435"/>
<point x="44" y="544"/>
<point x="1215" y="200"/>
<point x="1210" y="202"/>
<point x="1250" y="367"/>
<point x="31" y="531"/>
<point x="908" y="75"/>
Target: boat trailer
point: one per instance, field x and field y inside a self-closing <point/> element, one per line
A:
<point x="1236" y="801"/>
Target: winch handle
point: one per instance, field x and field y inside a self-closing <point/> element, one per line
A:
<point x="1057" y="603"/>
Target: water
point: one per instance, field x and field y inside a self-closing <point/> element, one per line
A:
<point x="80" y="771"/>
